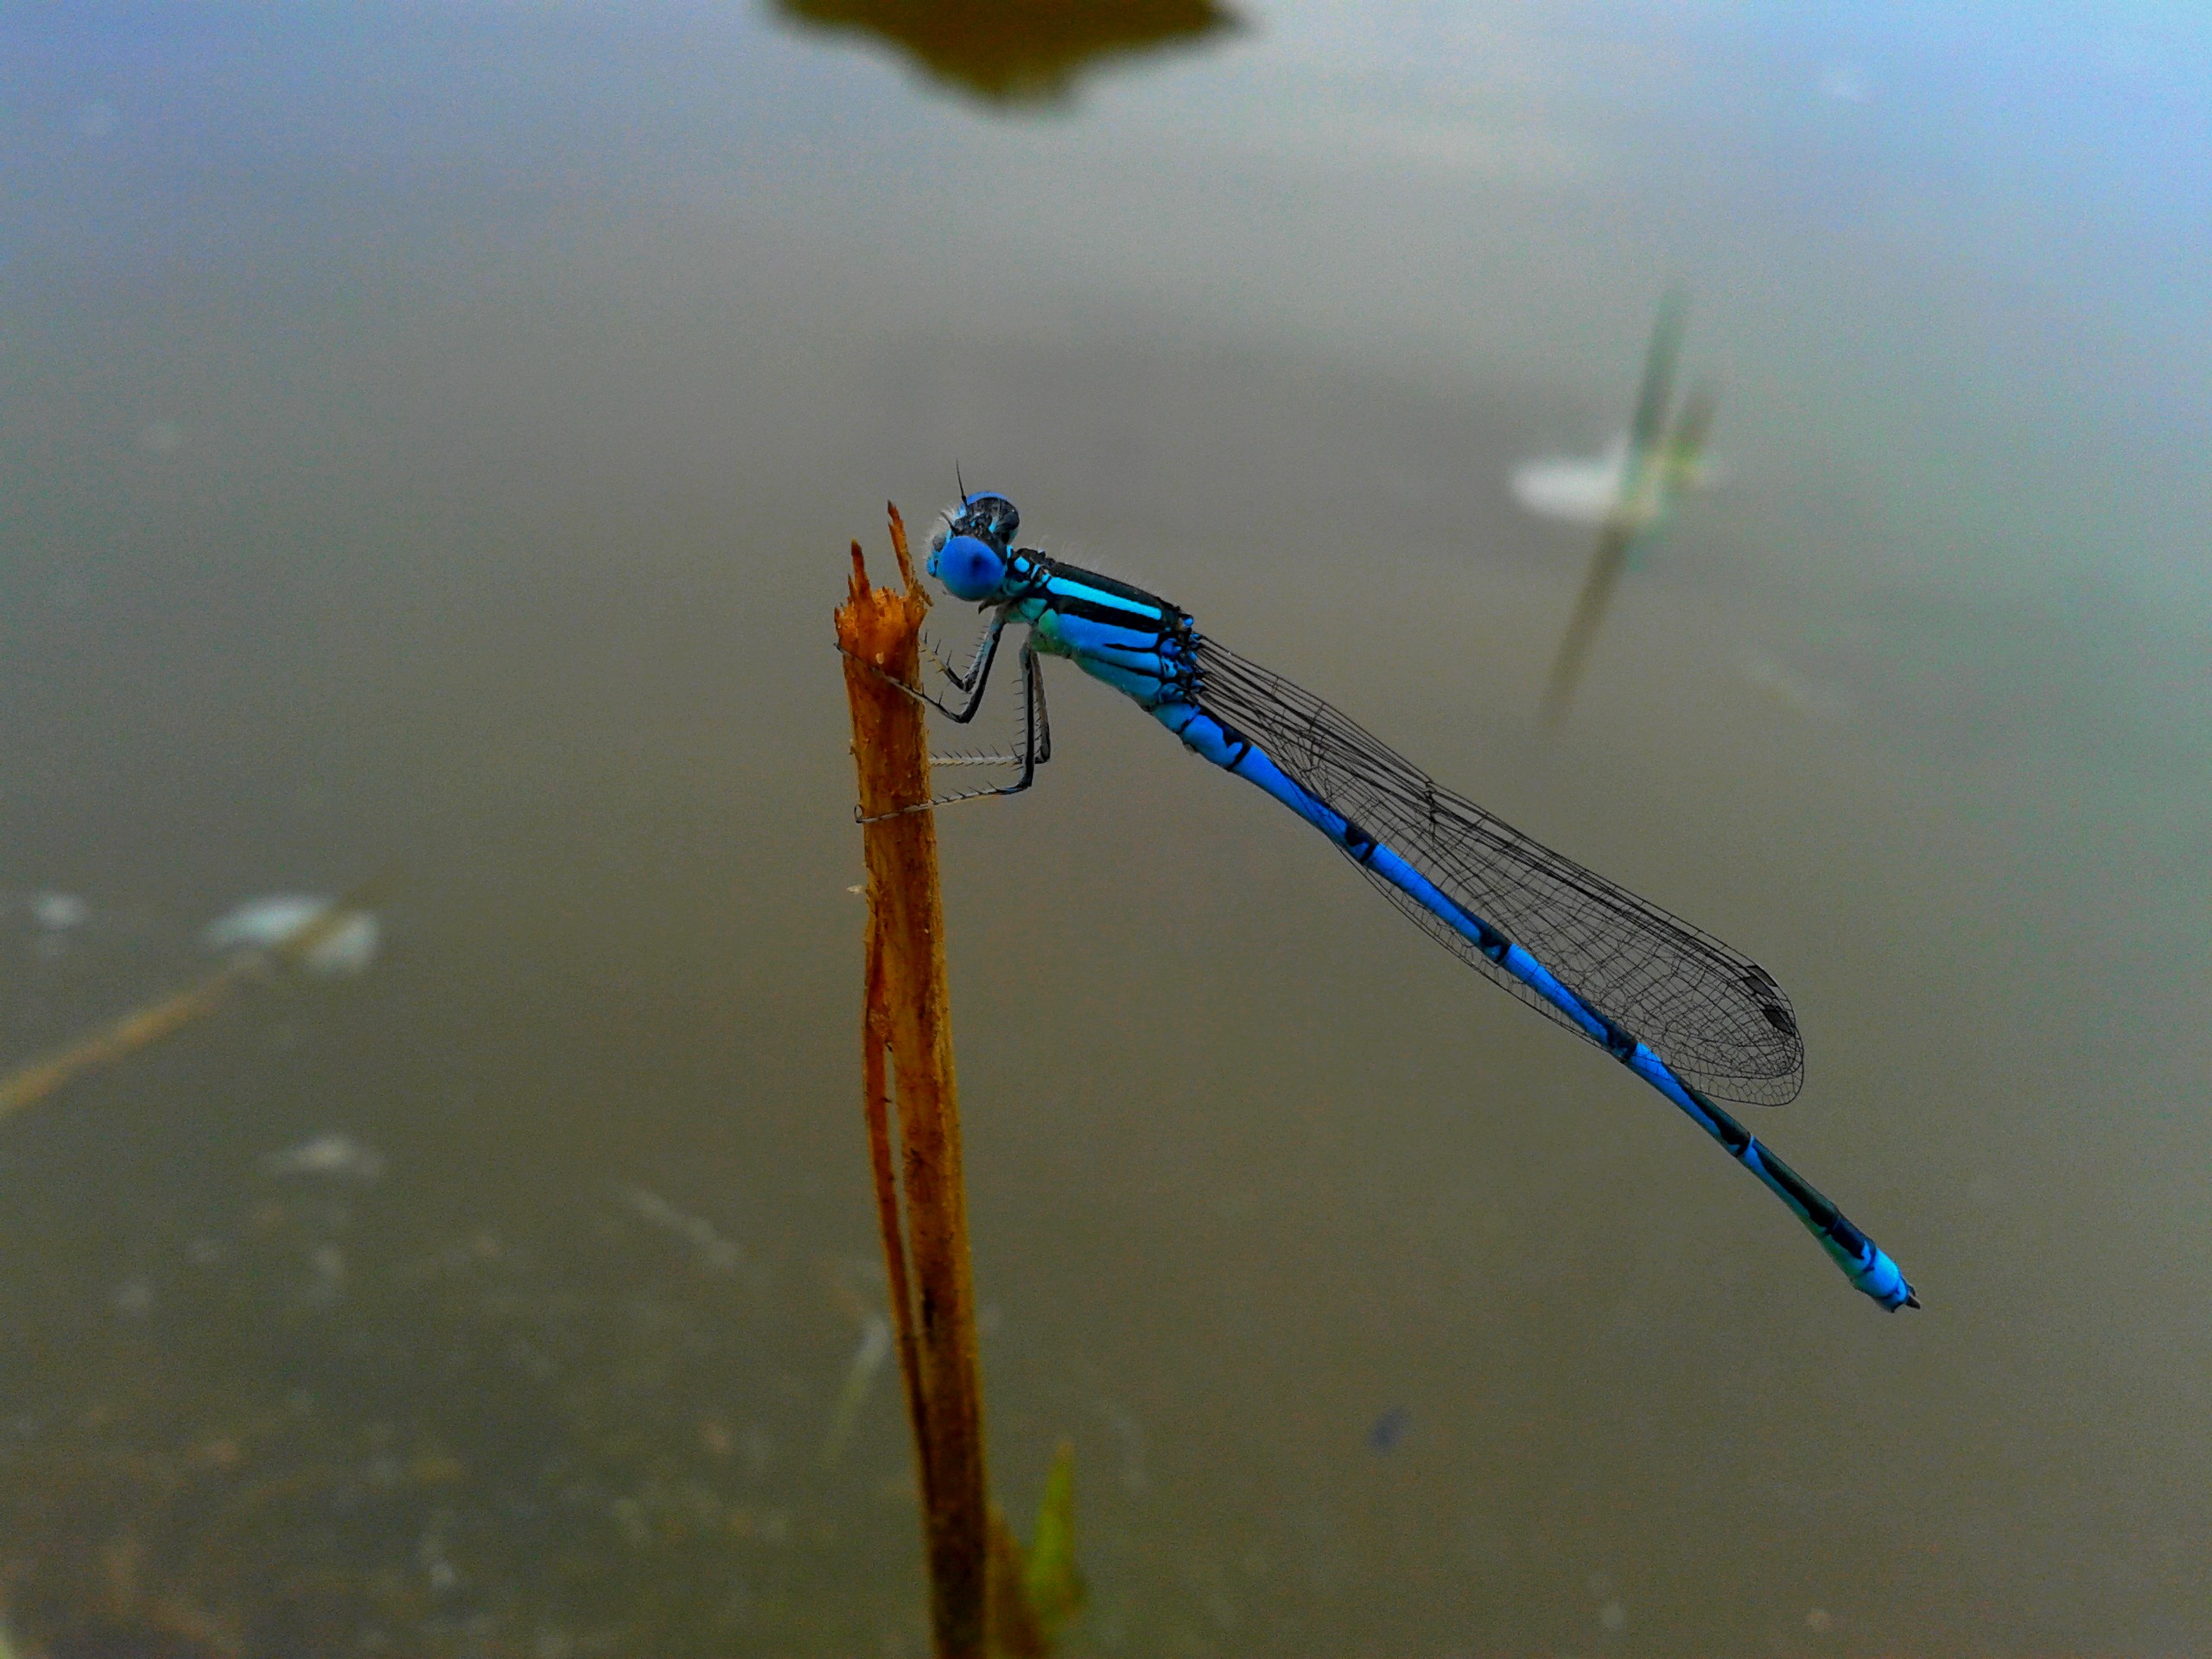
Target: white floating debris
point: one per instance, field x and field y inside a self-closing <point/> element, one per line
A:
<point x="1845" y="82"/>
<point x="339" y="1156"/>
<point x="1581" y="490"/>
<point x="721" y="1255"/>
<point x="867" y="1359"/>
<point x="161" y="438"/>
<point x="134" y="1299"/>
<point x="327" y="1281"/>
<point x="1593" y="490"/>
<point x="1794" y="691"/>
<point x="57" y="912"/>
<point x="1130" y="1433"/>
<point x="436" y="1566"/>
<point x="269" y="924"/>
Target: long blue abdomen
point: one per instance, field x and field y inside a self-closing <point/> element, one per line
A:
<point x="1866" y="1265"/>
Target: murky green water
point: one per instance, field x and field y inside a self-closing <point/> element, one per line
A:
<point x="428" y="438"/>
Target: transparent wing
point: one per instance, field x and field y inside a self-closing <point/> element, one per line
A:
<point x="1716" y="1017"/>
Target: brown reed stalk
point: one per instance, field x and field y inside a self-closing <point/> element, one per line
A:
<point x="922" y="1204"/>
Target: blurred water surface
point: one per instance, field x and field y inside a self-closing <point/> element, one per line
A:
<point x="428" y="435"/>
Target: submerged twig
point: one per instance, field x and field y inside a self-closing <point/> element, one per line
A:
<point x="134" y="1031"/>
<point x="144" y="1027"/>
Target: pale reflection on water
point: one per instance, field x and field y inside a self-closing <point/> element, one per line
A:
<point x="433" y="444"/>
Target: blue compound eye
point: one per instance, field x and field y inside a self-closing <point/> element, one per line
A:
<point x="970" y="566"/>
<point x="937" y="542"/>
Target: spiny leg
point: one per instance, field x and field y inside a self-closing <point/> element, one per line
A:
<point x="1032" y="677"/>
<point x="975" y="681"/>
<point x="978" y="658"/>
<point x="1036" y="726"/>
<point x="1036" y="735"/>
<point x="1036" y="746"/>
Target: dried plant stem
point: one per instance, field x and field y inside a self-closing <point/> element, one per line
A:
<point x="922" y="1205"/>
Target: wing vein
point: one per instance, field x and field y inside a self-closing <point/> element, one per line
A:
<point x="1715" y="1016"/>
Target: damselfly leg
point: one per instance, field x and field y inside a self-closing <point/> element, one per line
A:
<point x="977" y="672"/>
<point x="1036" y="732"/>
<point x="972" y="681"/>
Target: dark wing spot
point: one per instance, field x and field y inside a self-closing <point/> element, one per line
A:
<point x="1768" y="994"/>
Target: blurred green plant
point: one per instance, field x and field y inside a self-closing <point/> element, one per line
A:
<point x="1666" y="457"/>
<point x="1037" y="1592"/>
<point x="1056" y="1588"/>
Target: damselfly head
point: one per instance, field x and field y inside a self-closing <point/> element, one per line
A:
<point x="990" y="516"/>
<point x="972" y="543"/>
